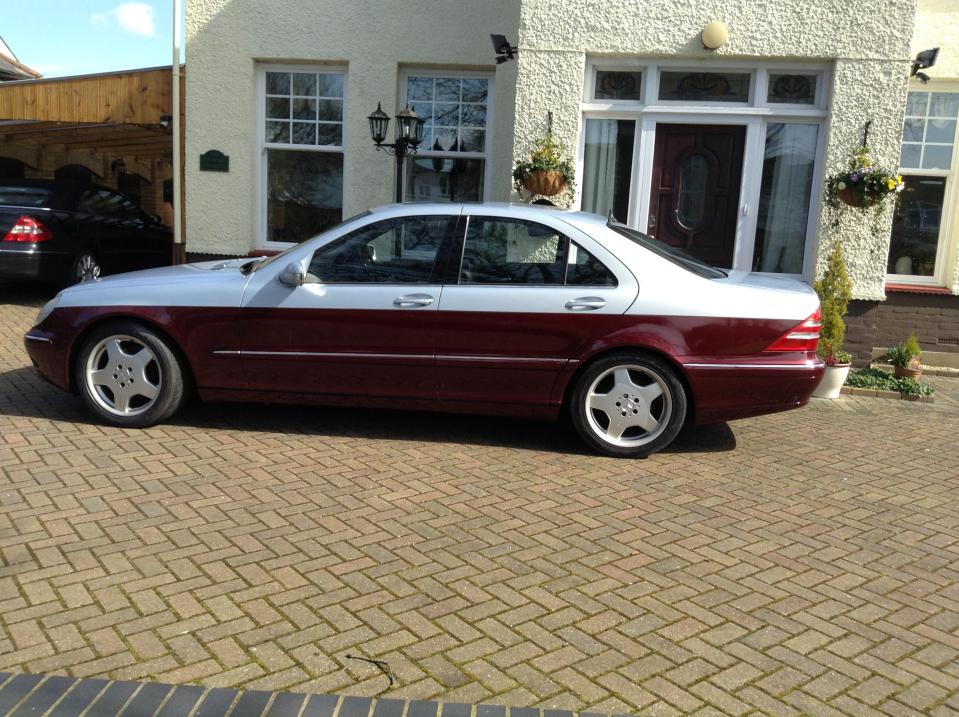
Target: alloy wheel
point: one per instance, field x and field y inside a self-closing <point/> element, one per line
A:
<point x="628" y="406"/>
<point x="123" y="375"/>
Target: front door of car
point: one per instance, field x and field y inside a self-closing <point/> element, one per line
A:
<point x="528" y="297"/>
<point x="361" y="325"/>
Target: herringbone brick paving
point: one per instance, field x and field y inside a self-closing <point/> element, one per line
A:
<point x="805" y="562"/>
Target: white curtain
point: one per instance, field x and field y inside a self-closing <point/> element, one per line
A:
<point x="599" y="166"/>
<point x="784" y="202"/>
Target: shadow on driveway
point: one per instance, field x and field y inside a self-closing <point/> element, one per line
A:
<point x="24" y="393"/>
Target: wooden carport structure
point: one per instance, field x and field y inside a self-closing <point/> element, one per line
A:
<point x="105" y="117"/>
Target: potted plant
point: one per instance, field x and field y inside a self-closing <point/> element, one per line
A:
<point x="548" y="171"/>
<point x="905" y="358"/>
<point x="862" y="183"/>
<point x="835" y="291"/>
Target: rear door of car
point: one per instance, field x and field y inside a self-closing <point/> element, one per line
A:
<point x="526" y="297"/>
<point x="363" y="324"/>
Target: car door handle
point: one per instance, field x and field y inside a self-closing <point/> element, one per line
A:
<point x="411" y="300"/>
<point x="586" y="303"/>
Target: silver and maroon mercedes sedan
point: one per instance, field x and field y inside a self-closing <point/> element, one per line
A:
<point x="494" y="309"/>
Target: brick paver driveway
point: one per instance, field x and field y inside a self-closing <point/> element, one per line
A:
<point x="805" y="562"/>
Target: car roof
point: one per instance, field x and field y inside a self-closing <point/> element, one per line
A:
<point x="519" y="209"/>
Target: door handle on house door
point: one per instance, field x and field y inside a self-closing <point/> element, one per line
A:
<point x="411" y="300"/>
<point x="586" y="303"/>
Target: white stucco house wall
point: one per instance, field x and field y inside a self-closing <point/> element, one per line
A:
<point x="722" y="150"/>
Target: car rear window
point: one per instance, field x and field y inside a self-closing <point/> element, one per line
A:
<point x="25" y="196"/>
<point x="670" y="253"/>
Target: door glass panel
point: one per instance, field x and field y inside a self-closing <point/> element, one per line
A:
<point x="788" y="163"/>
<point x="607" y="164"/>
<point x="512" y="251"/>
<point x="393" y="251"/>
<point x="583" y="269"/>
<point x="915" y="226"/>
<point x="693" y="175"/>
<point x="616" y="85"/>
<point x="704" y="86"/>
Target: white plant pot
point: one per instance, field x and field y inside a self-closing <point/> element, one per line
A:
<point x="832" y="381"/>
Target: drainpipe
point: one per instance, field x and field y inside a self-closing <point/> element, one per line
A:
<point x="179" y="254"/>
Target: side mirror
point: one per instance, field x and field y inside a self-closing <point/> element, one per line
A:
<point x="293" y="275"/>
<point x="154" y="219"/>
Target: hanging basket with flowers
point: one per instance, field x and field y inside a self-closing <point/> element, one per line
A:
<point x="547" y="172"/>
<point x="862" y="184"/>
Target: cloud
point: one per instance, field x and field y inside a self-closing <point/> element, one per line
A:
<point x="137" y="18"/>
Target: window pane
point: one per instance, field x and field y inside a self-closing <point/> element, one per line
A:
<point x="915" y="226"/>
<point x="512" y="251"/>
<point x="583" y="269"/>
<point x="278" y="132"/>
<point x="278" y="107"/>
<point x="607" y="165"/>
<point x="329" y="85"/>
<point x="910" y="156"/>
<point x="614" y="85"/>
<point x="792" y="89"/>
<point x="329" y="134"/>
<point x="944" y="104"/>
<point x="445" y="179"/>
<point x="395" y="251"/>
<point x="912" y="130"/>
<point x="784" y="197"/>
<point x="304" y="193"/>
<point x="454" y="112"/>
<point x="941" y="130"/>
<point x="936" y="157"/>
<point x="304" y="109"/>
<point x="304" y="133"/>
<point x="277" y="83"/>
<point x="704" y="86"/>
<point x="916" y="104"/>
<point x="330" y="110"/>
<point x="304" y="84"/>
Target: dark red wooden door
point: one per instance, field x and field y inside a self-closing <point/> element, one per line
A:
<point x="694" y="199"/>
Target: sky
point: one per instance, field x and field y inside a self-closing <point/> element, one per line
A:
<point x="58" y="38"/>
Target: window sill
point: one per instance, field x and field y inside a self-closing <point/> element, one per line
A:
<point x="917" y="289"/>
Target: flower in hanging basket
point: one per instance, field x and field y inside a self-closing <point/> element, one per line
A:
<point x="547" y="172"/>
<point x="862" y="183"/>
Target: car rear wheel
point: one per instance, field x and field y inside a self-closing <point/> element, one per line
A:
<point x="628" y="405"/>
<point x="85" y="267"/>
<point x="128" y="376"/>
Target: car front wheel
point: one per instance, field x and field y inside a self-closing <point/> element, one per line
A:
<point x="628" y="405"/>
<point x="128" y="376"/>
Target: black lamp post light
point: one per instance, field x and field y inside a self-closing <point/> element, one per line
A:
<point x="409" y="133"/>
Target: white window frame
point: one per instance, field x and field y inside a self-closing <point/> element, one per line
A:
<point x="261" y="241"/>
<point x="754" y="115"/>
<point x="947" y="243"/>
<point x="486" y="154"/>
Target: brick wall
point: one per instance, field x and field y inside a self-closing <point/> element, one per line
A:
<point x="880" y="324"/>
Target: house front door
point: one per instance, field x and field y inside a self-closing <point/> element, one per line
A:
<point x="694" y="195"/>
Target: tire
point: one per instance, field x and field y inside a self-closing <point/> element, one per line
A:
<point x="127" y="375"/>
<point x="85" y="267"/>
<point x="628" y="405"/>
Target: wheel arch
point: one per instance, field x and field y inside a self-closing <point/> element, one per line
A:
<point x="632" y="349"/>
<point x="119" y="318"/>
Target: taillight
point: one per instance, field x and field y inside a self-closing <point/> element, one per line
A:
<point x="804" y="336"/>
<point x="28" y="229"/>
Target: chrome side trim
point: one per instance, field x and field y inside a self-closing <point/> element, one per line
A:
<point x="501" y="358"/>
<point x="318" y="354"/>
<point x="38" y="339"/>
<point x="789" y="366"/>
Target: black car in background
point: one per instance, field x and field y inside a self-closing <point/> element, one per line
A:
<point x="63" y="232"/>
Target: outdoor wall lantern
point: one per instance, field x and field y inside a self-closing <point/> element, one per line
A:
<point x="714" y="35"/>
<point x="409" y="133"/>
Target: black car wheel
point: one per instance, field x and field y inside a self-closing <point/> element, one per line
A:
<point x="85" y="267"/>
<point x="129" y="376"/>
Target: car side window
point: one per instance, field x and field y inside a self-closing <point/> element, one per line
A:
<point x="500" y="250"/>
<point x="584" y="269"/>
<point x="90" y="201"/>
<point x="396" y="251"/>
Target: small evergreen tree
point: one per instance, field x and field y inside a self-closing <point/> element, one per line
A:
<point x="835" y="291"/>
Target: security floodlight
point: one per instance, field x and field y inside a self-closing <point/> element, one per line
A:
<point x="924" y="60"/>
<point x="504" y="51"/>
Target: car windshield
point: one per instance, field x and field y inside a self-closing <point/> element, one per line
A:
<point x="676" y="256"/>
<point x="25" y="196"/>
<point x="257" y="265"/>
